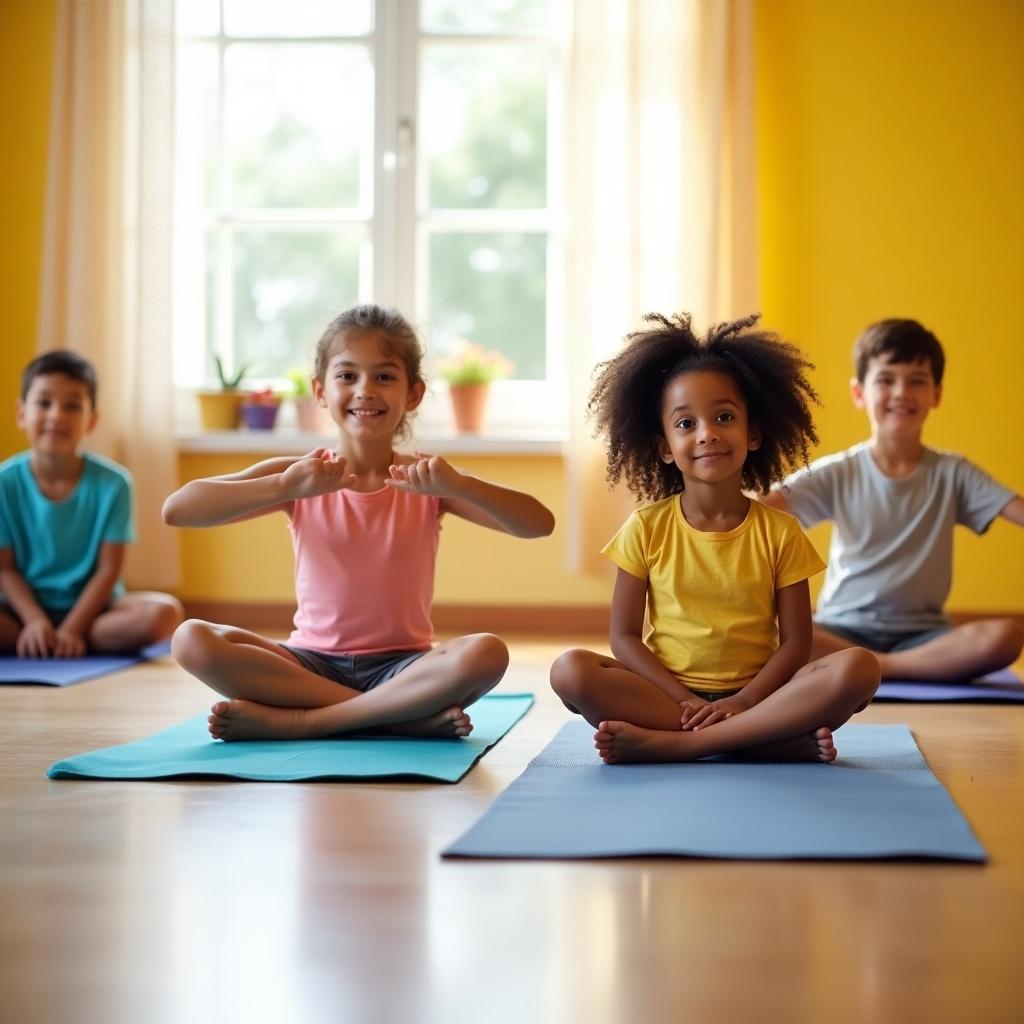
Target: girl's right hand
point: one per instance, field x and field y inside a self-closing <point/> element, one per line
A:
<point x="315" y="474"/>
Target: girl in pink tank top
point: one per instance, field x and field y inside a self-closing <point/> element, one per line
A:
<point x="365" y="522"/>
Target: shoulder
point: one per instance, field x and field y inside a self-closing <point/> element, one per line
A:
<point x="657" y="511"/>
<point x="825" y="468"/>
<point x="14" y="465"/>
<point x="105" y="470"/>
<point x="773" y="520"/>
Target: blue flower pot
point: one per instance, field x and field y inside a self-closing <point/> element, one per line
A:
<point x="259" y="417"/>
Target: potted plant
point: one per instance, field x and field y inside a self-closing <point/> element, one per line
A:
<point x="309" y="416"/>
<point x="469" y="369"/>
<point x="259" y="409"/>
<point x="219" y="409"/>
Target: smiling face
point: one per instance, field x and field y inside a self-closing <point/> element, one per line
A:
<point x="897" y="396"/>
<point x="56" y="414"/>
<point x="366" y="387"/>
<point x="706" y="432"/>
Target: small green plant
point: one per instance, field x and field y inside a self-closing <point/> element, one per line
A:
<point x="469" y="363"/>
<point x="229" y="383"/>
<point x="300" y="382"/>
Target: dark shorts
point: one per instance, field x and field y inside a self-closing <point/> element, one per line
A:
<point x="882" y="641"/>
<point x="713" y="695"/>
<point x="356" y="671"/>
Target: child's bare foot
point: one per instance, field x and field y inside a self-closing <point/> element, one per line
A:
<point x="247" y="720"/>
<point x="624" y="743"/>
<point x="449" y="723"/>
<point x="812" y="746"/>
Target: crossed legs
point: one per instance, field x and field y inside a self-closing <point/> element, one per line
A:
<point x="965" y="652"/>
<point x="272" y="696"/>
<point x="132" y="622"/>
<point x="636" y="721"/>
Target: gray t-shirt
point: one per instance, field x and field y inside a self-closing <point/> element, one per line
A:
<point x="890" y="563"/>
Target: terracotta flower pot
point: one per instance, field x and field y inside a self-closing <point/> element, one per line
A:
<point x="310" y="417"/>
<point x="219" y="410"/>
<point x="469" y="403"/>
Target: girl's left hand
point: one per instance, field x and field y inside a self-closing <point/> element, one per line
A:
<point x="717" y="711"/>
<point x="429" y="474"/>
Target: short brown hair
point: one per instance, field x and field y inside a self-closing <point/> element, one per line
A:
<point x="903" y="341"/>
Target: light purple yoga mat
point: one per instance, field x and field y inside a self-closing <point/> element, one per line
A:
<point x="1003" y="687"/>
<point x="68" y="671"/>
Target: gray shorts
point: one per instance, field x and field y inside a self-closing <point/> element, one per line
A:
<point x="356" y="671"/>
<point x="882" y="641"/>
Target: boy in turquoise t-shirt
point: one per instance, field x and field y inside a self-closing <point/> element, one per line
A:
<point x="65" y="518"/>
<point x="894" y="504"/>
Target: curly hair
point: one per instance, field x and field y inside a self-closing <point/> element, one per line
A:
<point x="769" y="373"/>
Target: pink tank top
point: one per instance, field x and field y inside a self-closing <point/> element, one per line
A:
<point x="364" y="571"/>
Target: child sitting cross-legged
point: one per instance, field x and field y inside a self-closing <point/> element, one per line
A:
<point x="723" y="664"/>
<point x="365" y="520"/>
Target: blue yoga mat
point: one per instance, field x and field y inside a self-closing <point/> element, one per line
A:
<point x="879" y="800"/>
<point x="188" y="750"/>
<point x="1003" y="687"/>
<point x="68" y="671"/>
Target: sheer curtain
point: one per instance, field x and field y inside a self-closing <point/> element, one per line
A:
<point x="661" y="199"/>
<point x="106" y="283"/>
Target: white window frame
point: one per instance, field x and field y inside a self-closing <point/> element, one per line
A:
<point x="397" y="218"/>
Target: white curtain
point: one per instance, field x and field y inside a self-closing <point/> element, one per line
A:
<point x="106" y="282"/>
<point x="661" y="199"/>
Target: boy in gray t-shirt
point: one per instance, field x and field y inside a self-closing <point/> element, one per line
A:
<point x="894" y="504"/>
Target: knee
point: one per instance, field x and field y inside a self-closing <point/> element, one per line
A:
<point x="1003" y="639"/>
<point x="483" y="658"/>
<point x="165" y="617"/>
<point x="569" y="673"/>
<point x="192" y="644"/>
<point x="857" y="674"/>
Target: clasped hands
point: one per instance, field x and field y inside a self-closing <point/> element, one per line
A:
<point x="697" y="712"/>
<point x="40" y="639"/>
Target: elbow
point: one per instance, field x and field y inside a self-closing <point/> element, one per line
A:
<point x="170" y="513"/>
<point x="546" y="525"/>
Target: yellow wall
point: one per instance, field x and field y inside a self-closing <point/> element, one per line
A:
<point x="891" y="138"/>
<point x="26" y="63"/>
<point x="891" y="150"/>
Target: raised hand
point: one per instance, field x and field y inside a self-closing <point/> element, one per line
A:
<point x="317" y="473"/>
<point x="35" y="640"/>
<point x="429" y="474"/>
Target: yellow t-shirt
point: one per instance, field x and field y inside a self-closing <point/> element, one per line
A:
<point x="711" y="596"/>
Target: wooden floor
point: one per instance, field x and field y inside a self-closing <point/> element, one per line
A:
<point x="202" y="901"/>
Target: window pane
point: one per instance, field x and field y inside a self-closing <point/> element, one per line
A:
<point x="197" y="126"/>
<point x="287" y="287"/>
<point x="491" y="289"/>
<point x="485" y="15"/>
<point x="197" y="17"/>
<point x="296" y="17"/>
<point x="483" y="120"/>
<point x="299" y="122"/>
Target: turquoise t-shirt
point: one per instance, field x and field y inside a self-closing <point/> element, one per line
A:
<point x="57" y="543"/>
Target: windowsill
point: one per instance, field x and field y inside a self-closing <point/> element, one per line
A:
<point x="288" y="441"/>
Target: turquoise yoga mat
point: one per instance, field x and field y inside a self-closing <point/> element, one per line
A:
<point x="68" y="671"/>
<point x="187" y="750"/>
<point x="880" y="800"/>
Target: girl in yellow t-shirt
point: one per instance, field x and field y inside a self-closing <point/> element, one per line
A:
<point x="721" y="664"/>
